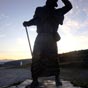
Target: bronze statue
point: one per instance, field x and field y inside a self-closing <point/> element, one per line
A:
<point x="45" y="56"/>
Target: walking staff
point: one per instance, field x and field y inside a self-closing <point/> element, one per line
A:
<point x="28" y="40"/>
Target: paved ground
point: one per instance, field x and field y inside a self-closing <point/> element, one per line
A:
<point x="46" y="84"/>
<point x="10" y="76"/>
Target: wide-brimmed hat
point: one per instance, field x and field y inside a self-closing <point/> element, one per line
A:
<point x="52" y="2"/>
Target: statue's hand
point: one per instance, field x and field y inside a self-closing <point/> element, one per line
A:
<point x="25" y="23"/>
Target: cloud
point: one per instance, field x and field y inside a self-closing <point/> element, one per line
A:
<point x="86" y="10"/>
<point x="72" y="23"/>
<point x="2" y="35"/>
<point x="80" y="9"/>
<point x="22" y="45"/>
<point x="69" y="26"/>
<point x="70" y="39"/>
<point x="72" y="26"/>
<point x="33" y="28"/>
<point x="21" y="42"/>
<point x="71" y="43"/>
<point x="3" y="16"/>
<point x="4" y="21"/>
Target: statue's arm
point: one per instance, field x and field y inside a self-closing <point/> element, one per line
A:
<point x="67" y="7"/>
<point x="33" y="21"/>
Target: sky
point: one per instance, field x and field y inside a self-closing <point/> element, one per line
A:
<point x="13" y="39"/>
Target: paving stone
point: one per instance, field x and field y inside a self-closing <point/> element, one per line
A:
<point x="47" y="84"/>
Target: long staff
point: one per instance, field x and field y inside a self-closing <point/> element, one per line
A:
<point x="28" y="40"/>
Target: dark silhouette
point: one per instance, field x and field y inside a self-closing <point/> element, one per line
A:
<point x="45" y="56"/>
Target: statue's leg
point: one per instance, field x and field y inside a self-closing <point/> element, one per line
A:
<point x="57" y="80"/>
<point x="35" y="82"/>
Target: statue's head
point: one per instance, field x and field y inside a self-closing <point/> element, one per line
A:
<point x="52" y="3"/>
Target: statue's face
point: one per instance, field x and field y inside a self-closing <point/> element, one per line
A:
<point x="52" y="3"/>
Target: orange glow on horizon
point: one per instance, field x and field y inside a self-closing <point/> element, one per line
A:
<point x="14" y="56"/>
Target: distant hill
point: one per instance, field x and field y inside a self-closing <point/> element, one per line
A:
<point x="75" y="58"/>
<point x="4" y="61"/>
<point x="18" y="63"/>
<point x="70" y="59"/>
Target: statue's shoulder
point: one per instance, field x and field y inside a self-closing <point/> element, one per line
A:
<point x="39" y="11"/>
<point x="39" y="8"/>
